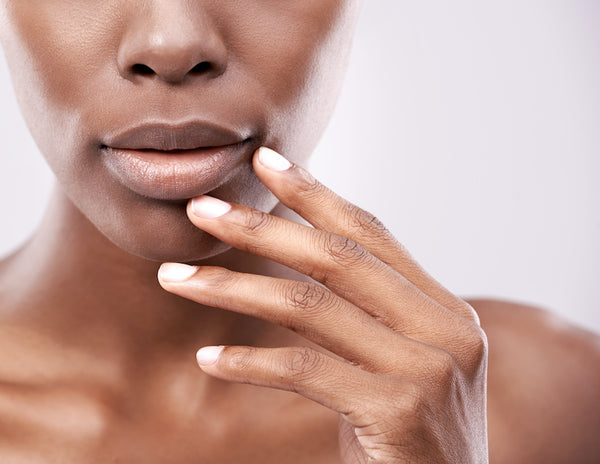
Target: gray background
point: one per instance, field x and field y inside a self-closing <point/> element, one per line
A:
<point x="472" y="129"/>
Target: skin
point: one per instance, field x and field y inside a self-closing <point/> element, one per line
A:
<point x="382" y="364"/>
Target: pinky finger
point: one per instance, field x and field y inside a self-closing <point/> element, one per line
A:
<point x="334" y="384"/>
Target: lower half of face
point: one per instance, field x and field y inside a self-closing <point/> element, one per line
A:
<point x="139" y="106"/>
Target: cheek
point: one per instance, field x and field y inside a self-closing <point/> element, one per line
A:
<point x="297" y="54"/>
<point x="54" y="63"/>
<point x="65" y="45"/>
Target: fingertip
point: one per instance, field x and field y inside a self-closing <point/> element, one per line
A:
<point x="272" y="160"/>
<point x="208" y="355"/>
<point x="175" y="272"/>
<point x="206" y="207"/>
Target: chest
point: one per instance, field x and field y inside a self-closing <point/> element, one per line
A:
<point x="69" y="430"/>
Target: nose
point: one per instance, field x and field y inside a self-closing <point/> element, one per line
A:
<point x="171" y="41"/>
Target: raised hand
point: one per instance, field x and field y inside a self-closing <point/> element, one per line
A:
<point x="409" y="378"/>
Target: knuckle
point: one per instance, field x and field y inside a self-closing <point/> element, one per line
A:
<point x="308" y="297"/>
<point x="308" y="188"/>
<point x="239" y="359"/>
<point x="411" y="402"/>
<point x="343" y="250"/>
<point x="442" y="367"/>
<point x="301" y="363"/>
<point x="472" y="350"/>
<point x="360" y="219"/>
<point x="477" y="346"/>
<point x="256" y="222"/>
<point x="469" y="313"/>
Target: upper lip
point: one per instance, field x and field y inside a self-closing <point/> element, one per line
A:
<point x="164" y="136"/>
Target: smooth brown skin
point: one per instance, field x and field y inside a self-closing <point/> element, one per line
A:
<point x="97" y="360"/>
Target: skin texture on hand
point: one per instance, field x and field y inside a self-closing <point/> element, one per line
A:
<point x="409" y="373"/>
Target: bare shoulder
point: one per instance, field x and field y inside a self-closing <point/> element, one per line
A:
<point x="543" y="386"/>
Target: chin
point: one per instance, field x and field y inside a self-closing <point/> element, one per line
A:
<point x="162" y="234"/>
<point x="150" y="229"/>
<point x="192" y="250"/>
<point x="155" y="229"/>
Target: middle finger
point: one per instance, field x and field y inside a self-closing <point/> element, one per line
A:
<point x="340" y="264"/>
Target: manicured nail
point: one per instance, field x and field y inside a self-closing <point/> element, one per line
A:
<point x="175" y="272"/>
<point x="209" y="207"/>
<point x="208" y="355"/>
<point x="272" y="159"/>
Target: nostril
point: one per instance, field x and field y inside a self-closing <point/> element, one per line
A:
<point x="142" y="69"/>
<point x="201" y="67"/>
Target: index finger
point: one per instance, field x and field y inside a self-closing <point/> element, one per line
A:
<point x="325" y="210"/>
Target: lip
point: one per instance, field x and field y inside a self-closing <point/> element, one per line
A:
<point x="169" y="137"/>
<point x="176" y="161"/>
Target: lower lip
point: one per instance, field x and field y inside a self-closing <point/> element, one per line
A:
<point x="175" y="175"/>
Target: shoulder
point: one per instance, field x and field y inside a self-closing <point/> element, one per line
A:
<point x="543" y="385"/>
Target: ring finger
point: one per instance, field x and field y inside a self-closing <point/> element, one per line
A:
<point x="304" y="307"/>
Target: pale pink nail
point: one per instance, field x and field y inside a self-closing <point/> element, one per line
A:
<point x="176" y="272"/>
<point x="272" y="159"/>
<point x="209" y="207"/>
<point x="208" y="355"/>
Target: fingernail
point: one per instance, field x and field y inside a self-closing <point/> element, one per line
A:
<point x="272" y="159"/>
<point x="209" y="207"/>
<point x="175" y="272"/>
<point x="208" y="355"/>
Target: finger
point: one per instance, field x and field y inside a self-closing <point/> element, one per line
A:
<point x="304" y="307"/>
<point x="334" y="384"/>
<point x="337" y="262"/>
<point x="324" y="209"/>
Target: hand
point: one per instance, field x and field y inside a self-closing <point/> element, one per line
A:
<point x="409" y="378"/>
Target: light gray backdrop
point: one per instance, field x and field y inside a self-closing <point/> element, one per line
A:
<point x="472" y="129"/>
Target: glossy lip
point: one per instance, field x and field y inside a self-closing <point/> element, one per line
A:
<point x="176" y="161"/>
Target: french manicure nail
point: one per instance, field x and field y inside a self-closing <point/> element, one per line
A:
<point x="176" y="272"/>
<point x="208" y="355"/>
<point x="209" y="207"/>
<point x="272" y="159"/>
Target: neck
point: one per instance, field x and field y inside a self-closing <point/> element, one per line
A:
<point x="73" y="284"/>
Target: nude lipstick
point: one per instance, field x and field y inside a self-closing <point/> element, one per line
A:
<point x="169" y="161"/>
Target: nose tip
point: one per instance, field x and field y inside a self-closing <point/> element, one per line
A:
<point x="171" y="48"/>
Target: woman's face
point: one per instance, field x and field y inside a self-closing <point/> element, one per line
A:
<point x="139" y="105"/>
